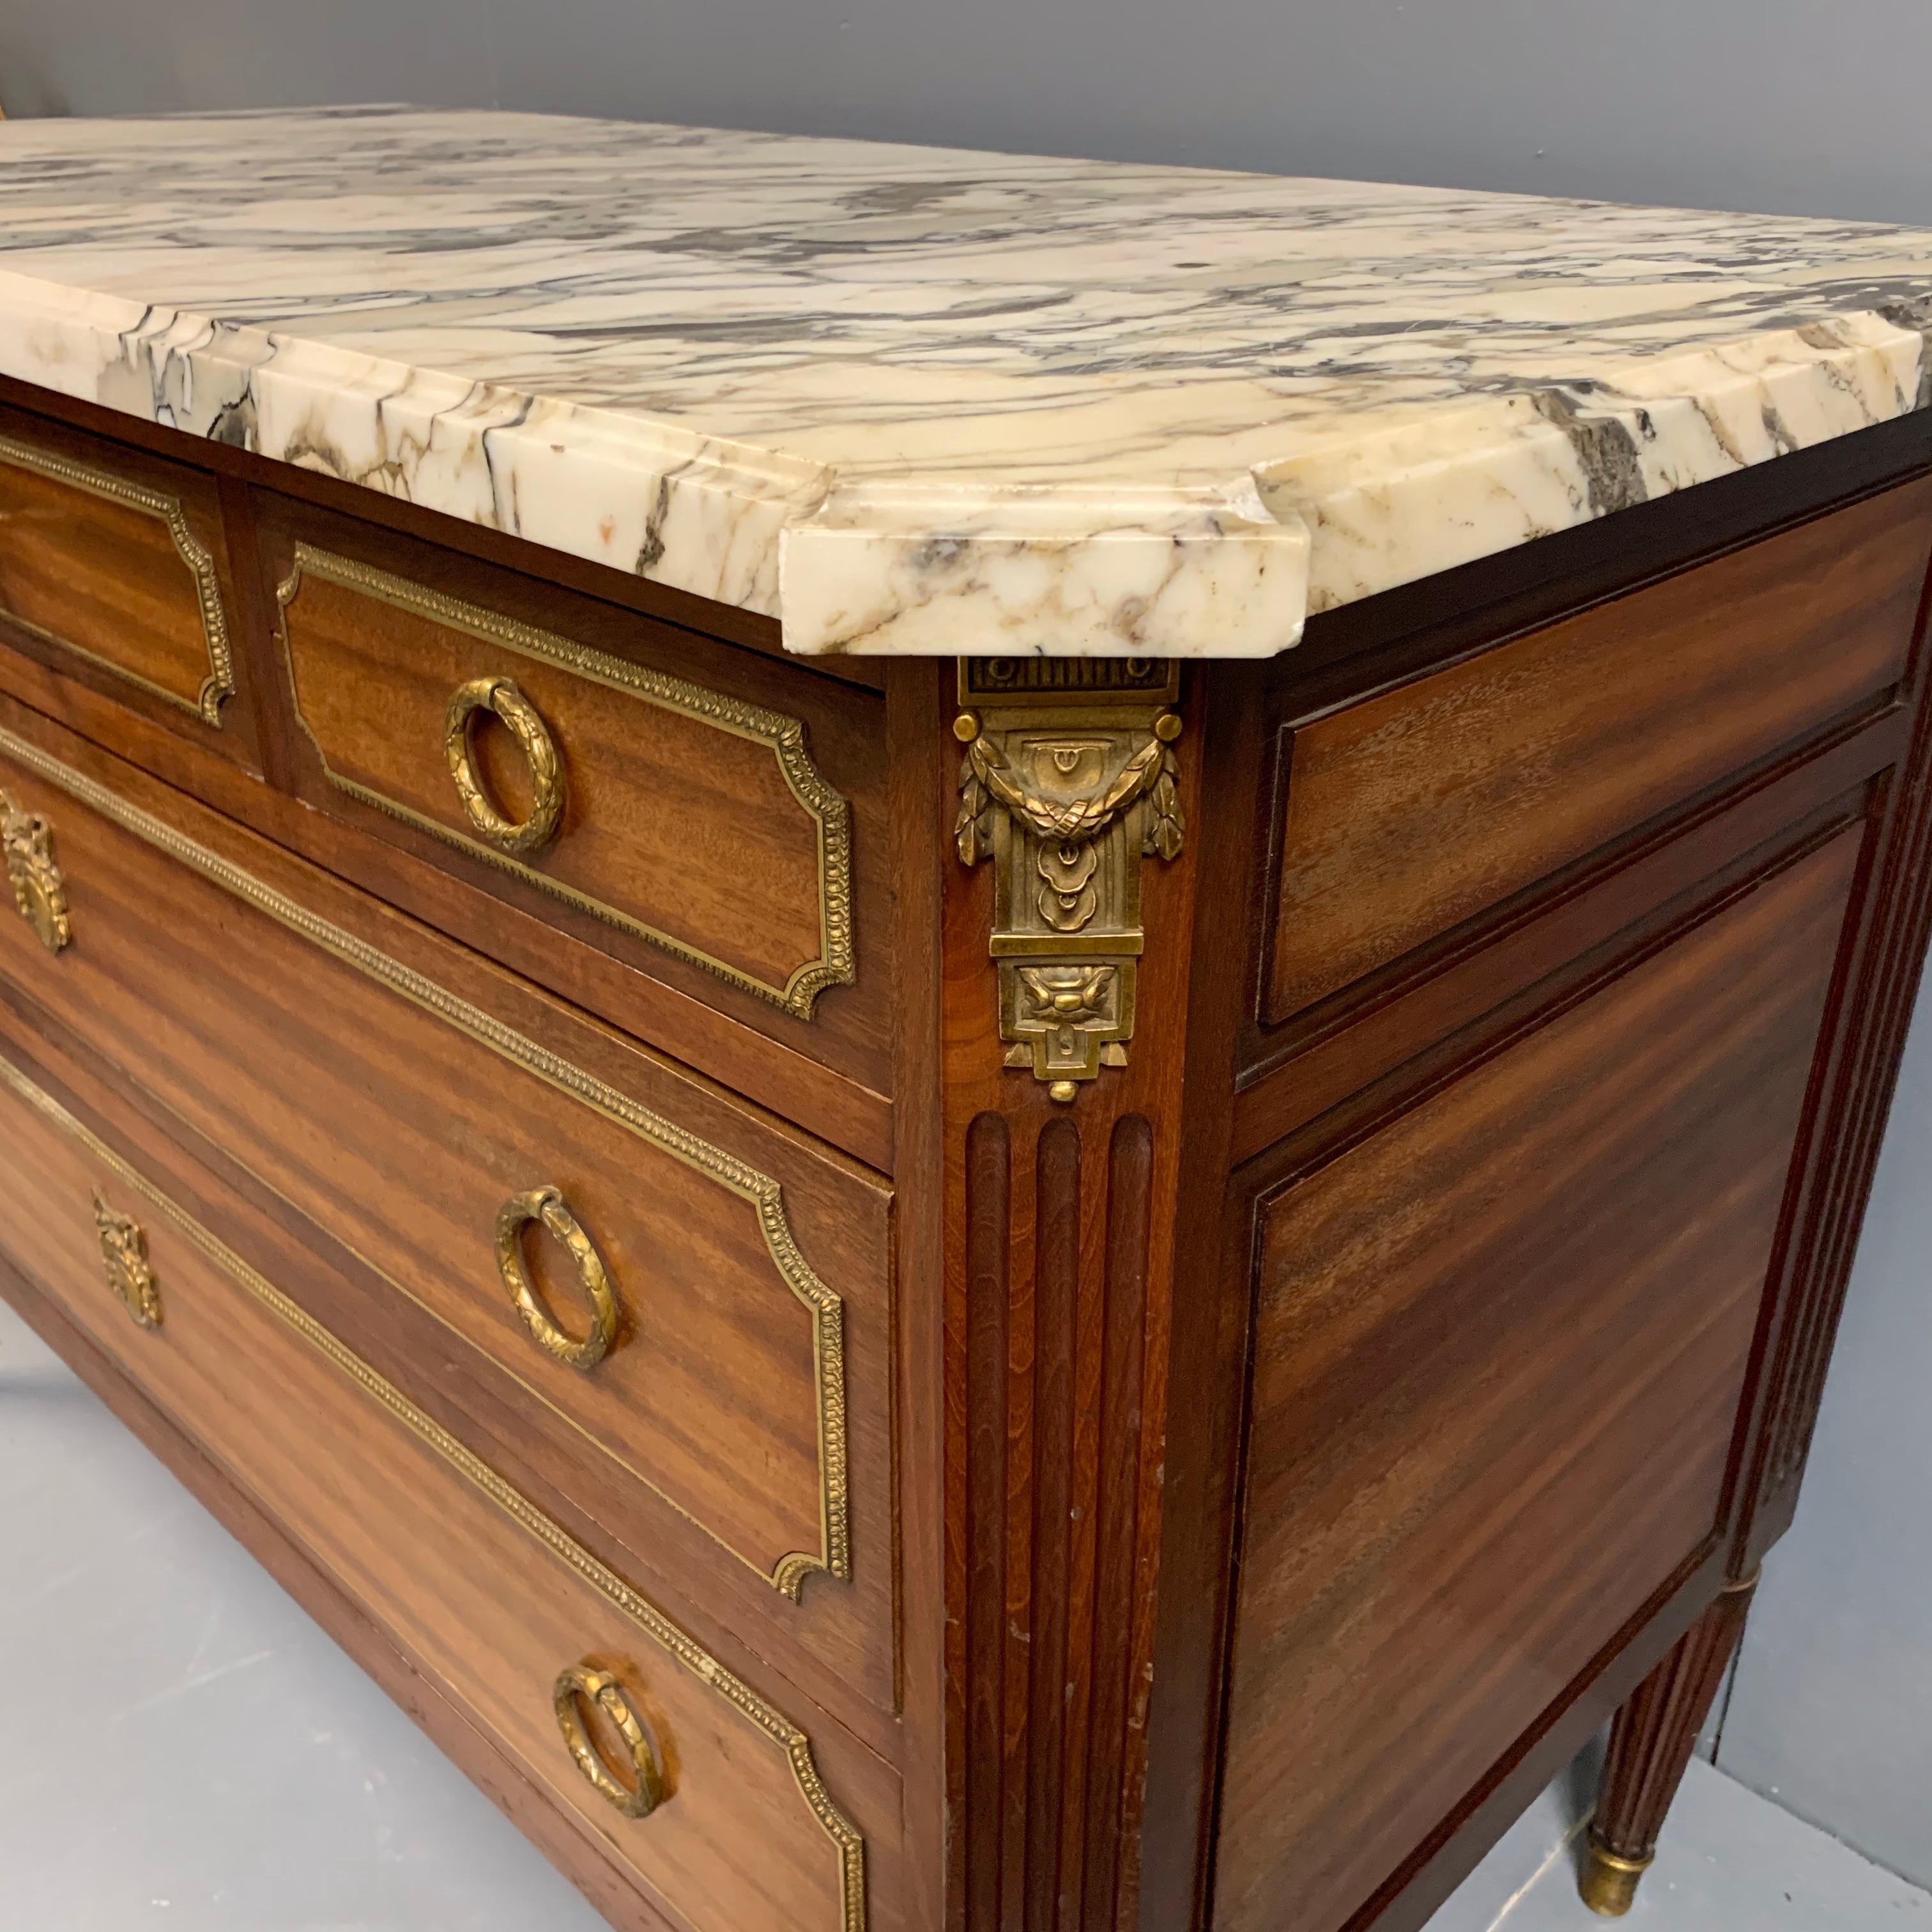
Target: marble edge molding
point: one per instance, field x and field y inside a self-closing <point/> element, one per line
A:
<point x="1424" y="491"/>
<point x="921" y="567"/>
<point x="925" y="571"/>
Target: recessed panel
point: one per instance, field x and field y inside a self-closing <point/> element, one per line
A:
<point x="1411" y="812"/>
<point x="108" y="562"/>
<point x="684" y="817"/>
<point x="1499" y="1350"/>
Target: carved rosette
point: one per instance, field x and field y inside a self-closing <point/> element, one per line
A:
<point x="1068" y="784"/>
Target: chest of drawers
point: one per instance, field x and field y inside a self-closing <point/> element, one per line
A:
<point x="985" y="1292"/>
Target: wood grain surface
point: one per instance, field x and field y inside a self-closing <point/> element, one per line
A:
<point x="688" y="837"/>
<point x="676" y="824"/>
<point x="1854" y="1099"/>
<point x="447" y="1563"/>
<point x="1499" y="1348"/>
<point x="1412" y="810"/>
<point x="734" y="1418"/>
<point x="94" y="586"/>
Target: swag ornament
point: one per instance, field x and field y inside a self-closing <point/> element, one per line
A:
<point x="1066" y="793"/>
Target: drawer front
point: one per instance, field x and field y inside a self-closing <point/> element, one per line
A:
<point x="489" y="1599"/>
<point x="691" y="807"/>
<point x="1500" y="1350"/>
<point x="114" y="570"/>
<point x="1411" y="812"/>
<point x="735" y="1414"/>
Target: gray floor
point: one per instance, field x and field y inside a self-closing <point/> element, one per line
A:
<point x="1733" y="1862"/>
<point x="180" y="1747"/>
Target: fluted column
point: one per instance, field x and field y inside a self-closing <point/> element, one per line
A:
<point x="1650" y="1745"/>
<point x="1067" y="929"/>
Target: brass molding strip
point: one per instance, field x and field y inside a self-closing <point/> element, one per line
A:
<point x="767" y="1195"/>
<point x="219" y="684"/>
<point x="783" y="736"/>
<point x="795" y="1745"/>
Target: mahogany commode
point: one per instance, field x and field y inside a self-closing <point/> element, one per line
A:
<point x="895" y="1281"/>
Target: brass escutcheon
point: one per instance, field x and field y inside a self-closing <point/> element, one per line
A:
<point x="584" y="1681"/>
<point x="526" y="723"/>
<point x="546" y="1205"/>
<point x="124" y="1247"/>
<point x="39" y="891"/>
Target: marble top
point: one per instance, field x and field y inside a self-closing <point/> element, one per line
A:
<point x="918" y="400"/>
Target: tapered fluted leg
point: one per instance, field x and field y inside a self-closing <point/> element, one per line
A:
<point x="1650" y="1745"/>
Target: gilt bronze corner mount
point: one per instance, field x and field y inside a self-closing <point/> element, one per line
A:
<point x="1068" y="783"/>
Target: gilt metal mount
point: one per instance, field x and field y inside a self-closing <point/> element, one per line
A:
<point x="124" y="1248"/>
<point x="1068" y="783"/>
<point x="39" y="891"/>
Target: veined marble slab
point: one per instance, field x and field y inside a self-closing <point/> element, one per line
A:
<point x="911" y="400"/>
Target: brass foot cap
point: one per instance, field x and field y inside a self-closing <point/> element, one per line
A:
<point x="1607" y="1883"/>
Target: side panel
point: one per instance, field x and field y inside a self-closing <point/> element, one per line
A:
<point x="1414" y="809"/>
<point x="1502" y="1340"/>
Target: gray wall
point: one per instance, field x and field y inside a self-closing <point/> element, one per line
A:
<point x="1832" y="1710"/>
<point x="1778" y="104"/>
<point x="1786" y="105"/>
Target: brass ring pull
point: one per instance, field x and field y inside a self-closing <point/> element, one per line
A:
<point x="39" y="891"/>
<point x="526" y="723"/>
<point x="635" y="1800"/>
<point x="546" y="1205"/>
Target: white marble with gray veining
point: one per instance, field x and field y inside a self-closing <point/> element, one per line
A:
<point x="919" y="400"/>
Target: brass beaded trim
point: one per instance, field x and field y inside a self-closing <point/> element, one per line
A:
<point x="219" y="684"/>
<point x="784" y="737"/>
<point x="796" y="1747"/>
<point x="765" y="1195"/>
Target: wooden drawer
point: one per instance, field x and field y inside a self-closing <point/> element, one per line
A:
<point x="1410" y="812"/>
<point x="114" y="574"/>
<point x="696" y="811"/>
<point x="760" y="1825"/>
<point x="408" y="1101"/>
